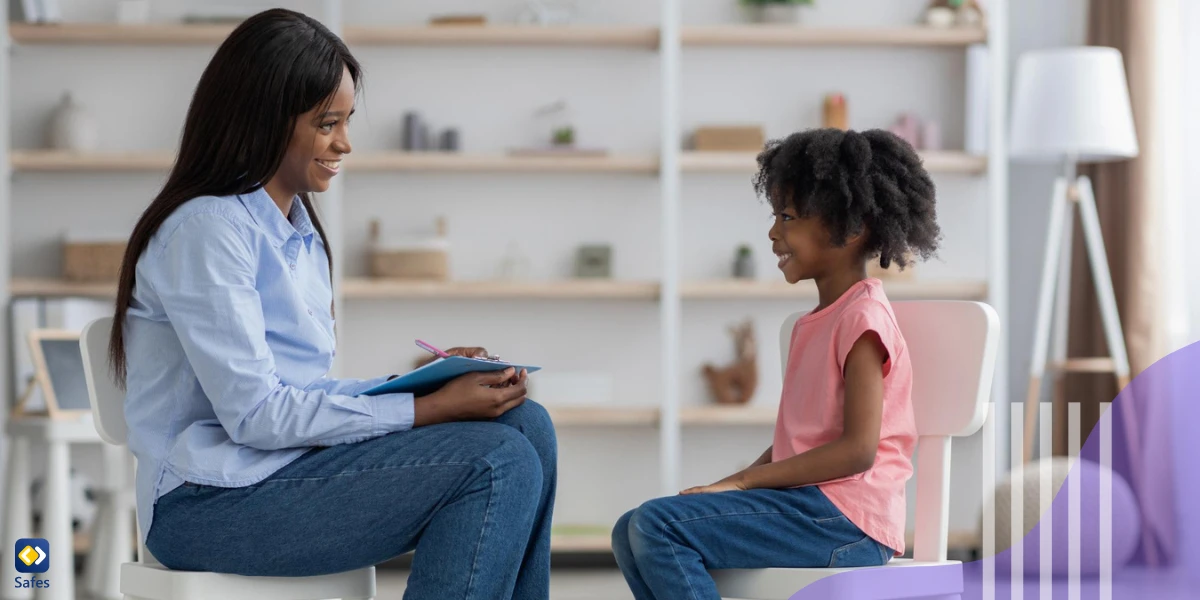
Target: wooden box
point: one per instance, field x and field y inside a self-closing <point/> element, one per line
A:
<point x="92" y="260"/>
<point x="734" y="138"/>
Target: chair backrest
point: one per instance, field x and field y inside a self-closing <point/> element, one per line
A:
<point x="108" y="401"/>
<point x="952" y="346"/>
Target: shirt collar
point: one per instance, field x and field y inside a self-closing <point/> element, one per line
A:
<point x="268" y="216"/>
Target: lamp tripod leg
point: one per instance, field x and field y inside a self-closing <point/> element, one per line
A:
<point x="1041" y="332"/>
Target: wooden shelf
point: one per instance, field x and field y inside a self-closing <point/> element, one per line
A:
<point x="384" y="289"/>
<point x="728" y="415"/>
<point x="744" y="162"/>
<point x="504" y="35"/>
<point x="26" y="287"/>
<point x="53" y="161"/>
<point x="629" y="36"/>
<point x="417" y="162"/>
<point x="446" y="162"/>
<point x="734" y="289"/>
<point x="581" y="538"/>
<point x="572" y="416"/>
<point x="792" y="35"/>
<point x="179" y="34"/>
<point x="165" y="34"/>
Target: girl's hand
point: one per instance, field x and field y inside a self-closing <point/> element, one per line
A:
<point x="729" y="484"/>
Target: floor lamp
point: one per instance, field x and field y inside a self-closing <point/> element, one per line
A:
<point x="1071" y="106"/>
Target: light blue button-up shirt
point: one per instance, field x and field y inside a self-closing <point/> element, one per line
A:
<point x="228" y="340"/>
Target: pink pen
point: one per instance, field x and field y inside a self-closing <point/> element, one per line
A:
<point x="428" y="347"/>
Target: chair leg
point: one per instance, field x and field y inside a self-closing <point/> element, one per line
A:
<point x="92" y="568"/>
<point x="57" y="511"/>
<point x="16" y="513"/>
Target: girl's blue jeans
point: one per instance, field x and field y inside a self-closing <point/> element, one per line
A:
<point x="665" y="546"/>
<point x="474" y="499"/>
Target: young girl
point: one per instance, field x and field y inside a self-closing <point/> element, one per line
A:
<point x="829" y="492"/>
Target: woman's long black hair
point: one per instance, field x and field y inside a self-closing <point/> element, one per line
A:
<point x="276" y="66"/>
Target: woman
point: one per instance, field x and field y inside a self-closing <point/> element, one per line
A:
<point x="251" y="461"/>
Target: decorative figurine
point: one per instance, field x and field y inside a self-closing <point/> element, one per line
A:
<point x="412" y="132"/>
<point x="515" y="264"/>
<point x="72" y="128"/>
<point x="736" y="382"/>
<point x="940" y="14"/>
<point x="449" y="141"/>
<point x="908" y="128"/>
<point x="545" y="12"/>
<point x="969" y="14"/>
<point x="835" y="113"/>
<point x="931" y="136"/>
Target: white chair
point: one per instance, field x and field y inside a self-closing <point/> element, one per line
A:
<point x="147" y="579"/>
<point x="952" y="346"/>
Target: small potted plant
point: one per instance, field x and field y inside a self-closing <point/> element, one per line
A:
<point x="775" y="11"/>
<point x="743" y="263"/>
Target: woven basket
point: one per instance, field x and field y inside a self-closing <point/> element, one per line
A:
<point x="410" y="264"/>
<point x="92" y="261"/>
<point x="424" y="259"/>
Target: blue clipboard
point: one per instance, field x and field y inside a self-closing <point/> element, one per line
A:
<point x="434" y="375"/>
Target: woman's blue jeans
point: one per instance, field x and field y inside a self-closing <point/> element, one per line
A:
<point x="474" y="499"/>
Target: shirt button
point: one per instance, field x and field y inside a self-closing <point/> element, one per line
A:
<point x="310" y="312"/>
<point x="293" y="266"/>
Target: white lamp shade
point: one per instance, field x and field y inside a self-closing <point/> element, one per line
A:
<point x="1072" y="102"/>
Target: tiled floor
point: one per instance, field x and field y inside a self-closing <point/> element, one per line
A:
<point x="565" y="584"/>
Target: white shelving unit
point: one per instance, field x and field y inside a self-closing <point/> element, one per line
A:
<point x="670" y="39"/>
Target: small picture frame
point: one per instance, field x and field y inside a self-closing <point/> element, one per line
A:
<point x="593" y="262"/>
<point x="58" y="372"/>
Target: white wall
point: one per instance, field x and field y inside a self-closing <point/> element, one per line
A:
<point x="140" y="98"/>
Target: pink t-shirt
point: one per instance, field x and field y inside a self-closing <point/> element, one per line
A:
<point x="814" y="390"/>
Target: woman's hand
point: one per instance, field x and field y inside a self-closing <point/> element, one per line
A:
<point x="472" y="397"/>
<point x="468" y="352"/>
<point x="729" y="484"/>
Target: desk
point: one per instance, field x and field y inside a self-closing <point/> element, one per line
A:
<point x="112" y="541"/>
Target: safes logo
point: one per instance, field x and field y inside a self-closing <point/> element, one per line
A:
<point x="33" y="555"/>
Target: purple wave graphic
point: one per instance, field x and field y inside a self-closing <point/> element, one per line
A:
<point x="1167" y="479"/>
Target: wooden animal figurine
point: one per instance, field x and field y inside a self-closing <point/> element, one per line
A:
<point x="735" y="383"/>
